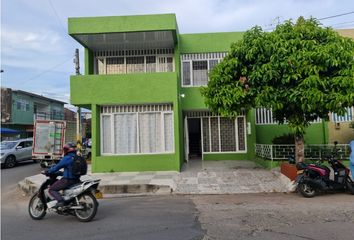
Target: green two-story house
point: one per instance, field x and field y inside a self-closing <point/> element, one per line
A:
<point x="142" y="83"/>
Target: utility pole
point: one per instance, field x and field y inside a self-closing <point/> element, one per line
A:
<point x="78" y="114"/>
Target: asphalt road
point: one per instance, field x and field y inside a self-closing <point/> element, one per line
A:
<point x="208" y="217"/>
<point x="155" y="217"/>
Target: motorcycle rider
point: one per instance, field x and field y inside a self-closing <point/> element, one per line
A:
<point x="68" y="178"/>
<point x="351" y="158"/>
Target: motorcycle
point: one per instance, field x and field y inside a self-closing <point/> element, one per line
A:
<point x="315" y="178"/>
<point x="80" y="198"/>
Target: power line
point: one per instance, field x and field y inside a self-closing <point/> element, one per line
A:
<point x="334" y="16"/>
<point x="57" y="16"/>
<point x="45" y="71"/>
<point x="342" y="23"/>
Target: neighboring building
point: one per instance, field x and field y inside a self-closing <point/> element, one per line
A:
<point x="142" y="84"/>
<point x="20" y="108"/>
<point x="69" y="115"/>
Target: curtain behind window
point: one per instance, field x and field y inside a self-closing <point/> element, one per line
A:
<point x="125" y="133"/>
<point x="150" y="132"/>
<point x="106" y="130"/>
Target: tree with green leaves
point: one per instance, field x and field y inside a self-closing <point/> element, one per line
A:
<point x="300" y="70"/>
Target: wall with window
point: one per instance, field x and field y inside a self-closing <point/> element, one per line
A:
<point x="143" y="137"/>
<point x="22" y="109"/>
<point x="133" y="61"/>
<point x="196" y="67"/>
<point x="137" y="129"/>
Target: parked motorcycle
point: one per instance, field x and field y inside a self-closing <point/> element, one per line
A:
<point x="80" y="198"/>
<point x="315" y="178"/>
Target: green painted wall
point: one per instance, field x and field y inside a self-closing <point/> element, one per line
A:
<point x="132" y="163"/>
<point x="89" y="62"/>
<point x="124" y="88"/>
<point x="129" y="89"/>
<point x="113" y="24"/>
<point x="315" y="134"/>
<point x="208" y="42"/>
<point x="192" y="99"/>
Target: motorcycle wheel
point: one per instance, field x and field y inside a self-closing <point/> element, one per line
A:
<point x="89" y="202"/>
<point x="306" y="190"/>
<point x="36" y="208"/>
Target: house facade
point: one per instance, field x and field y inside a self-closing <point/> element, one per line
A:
<point x="142" y="84"/>
<point x="20" y="108"/>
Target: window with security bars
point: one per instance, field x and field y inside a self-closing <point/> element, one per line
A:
<point x="223" y="134"/>
<point x="347" y="117"/>
<point x="134" y="61"/>
<point x="137" y="129"/>
<point x="265" y="116"/>
<point x="196" y="67"/>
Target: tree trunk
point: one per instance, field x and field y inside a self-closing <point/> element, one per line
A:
<point x="299" y="149"/>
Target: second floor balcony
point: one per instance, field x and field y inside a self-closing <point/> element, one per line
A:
<point x="133" y="61"/>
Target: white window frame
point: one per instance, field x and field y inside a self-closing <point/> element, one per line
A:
<point x="23" y="105"/>
<point x="190" y="58"/>
<point x="113" y="150"/>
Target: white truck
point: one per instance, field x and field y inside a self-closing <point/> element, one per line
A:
<point x="48" y="141"/>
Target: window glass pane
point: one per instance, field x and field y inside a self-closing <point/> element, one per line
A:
<point x="206" y="143"/>
<point x="168" y="124"/>
<point x="212" y="64"/>
<point x="115" y="65"/>
<point x="135" y="64"/>
<point x="106" y="134"/>
<point x="125" y="133"/>
<point x="200" y="73"/>
<point x="241" y="133"/>
<point x="186" y="73"/>
<point x="150" y="132"/>
<point x="227" y="135"/>
<point x="214" y="129"/>
<point x="18" y="105"/>
<point x="151" y="64"/>
<point x="169" y="66"/>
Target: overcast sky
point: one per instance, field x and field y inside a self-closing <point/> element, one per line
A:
<point x="37" y="53"/>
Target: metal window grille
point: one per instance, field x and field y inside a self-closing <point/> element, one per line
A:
<point x="265" y="116"/>
<point x="223" y="134"/>
<point x="198" y="114"/>
<point x="203" y="56"/>
<point x="136" y="108"/>
<point x="195" y="67"/>
<point x="347" y="117"/>
<point x="134" y="61"/>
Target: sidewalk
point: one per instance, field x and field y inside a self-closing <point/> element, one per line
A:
<point x="196" y="177"/>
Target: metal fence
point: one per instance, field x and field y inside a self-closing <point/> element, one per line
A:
<point x="312" y="152"/>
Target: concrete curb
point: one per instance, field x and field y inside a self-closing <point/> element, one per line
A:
<point x="29" y="188"/>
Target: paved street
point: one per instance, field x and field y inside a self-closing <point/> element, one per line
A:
<point x="233" y="216"/>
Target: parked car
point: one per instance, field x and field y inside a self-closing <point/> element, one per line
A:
<point x="16" y="151"/>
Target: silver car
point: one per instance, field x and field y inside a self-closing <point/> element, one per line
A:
<point x="16" y="151"/>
